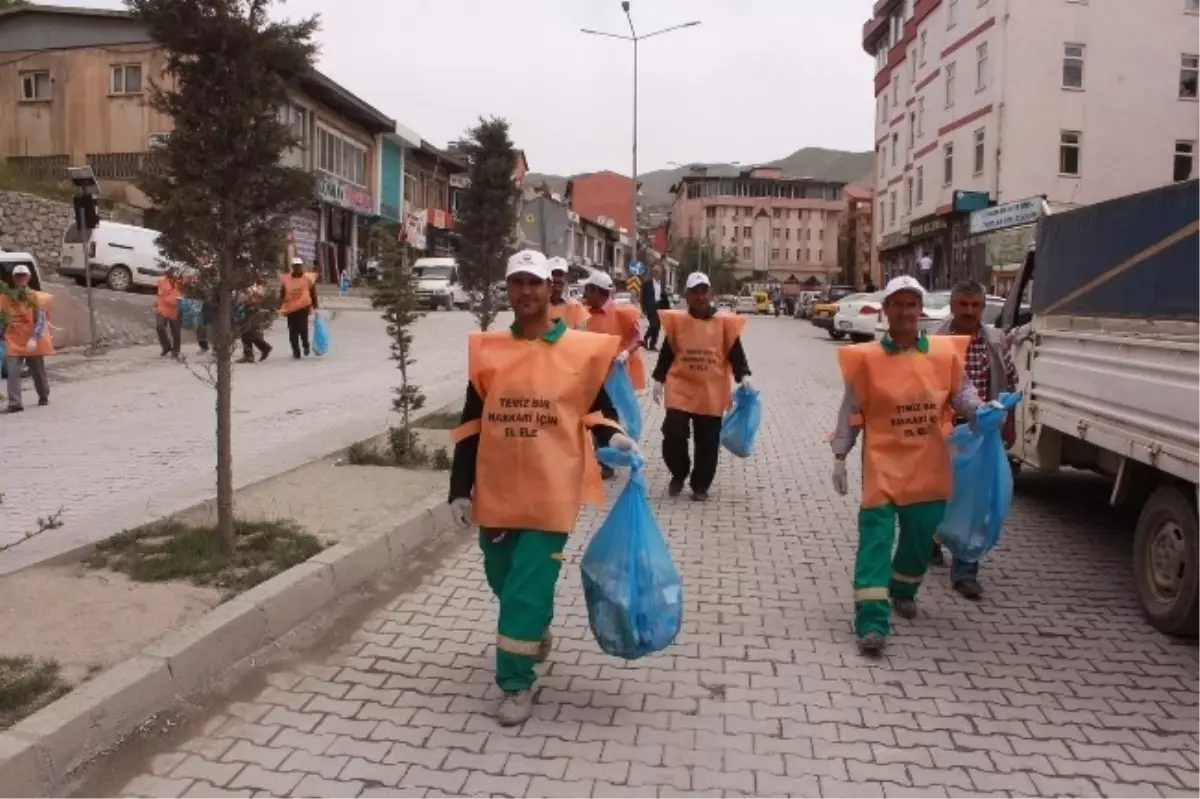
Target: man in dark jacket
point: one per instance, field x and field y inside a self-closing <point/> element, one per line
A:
<point x="654" y="299"/>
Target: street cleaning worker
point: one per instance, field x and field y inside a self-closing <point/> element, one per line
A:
<point x="900" y="391"/>
<point x="24" y="323"/>
<point x="563" y="307"/>
<point x="700" y="351"/>
<point x="167" y="323"/>
<point x="297" y="299"/>
<point x="605" y="316"/>
<point x="251" y="318"/>
<point x="524" y="463"/>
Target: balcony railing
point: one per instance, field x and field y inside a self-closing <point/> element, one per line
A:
<point x="43" y="167"/>
<point x="119" y="166"/>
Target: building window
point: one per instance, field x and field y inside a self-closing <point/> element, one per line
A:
<point x="1185" y="153"/>
<point x="892" y="213"/>
<point x="35" y="86"/>
<point x="912" y="129"/>
<point x="1072" y="70"/>
<point x="808" y="235"/>
<point x="746" y="253"/>
<point x="341" y="157"/>
<point x="920" y="185"/>
<point x="774" y="233"/>
<point x="950" y="70"/>
<point x="920" y="117"/>
<point x="912" y="73"/>
<point x="710" y="212"/>
<point x="126" y="79"/>
<point x="746" y="231"/>
<point x="979" y="140"/>
<point x="775" y="255"/>
<point x="951" y="14"/>
<point x="948" y="164"/>
<point x="981" y="67"/>
<point x="1070" y="143"/>
<point x="1189" y="68"/>
<point x="787" y="233"/>
<point x="924" y="45"/>
<point x="895" y="146"/>
<point x="778" y="213"/>
<point x="895" y="91"/>
<point x="820" y="256"/>
<point x="908" y="195"/>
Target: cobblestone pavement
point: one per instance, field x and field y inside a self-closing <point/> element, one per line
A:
<point x="1052" y="685"/>
<point x="129" y="436"/>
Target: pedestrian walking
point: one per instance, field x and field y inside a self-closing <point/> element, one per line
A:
<point x="699" y="352"/>
<point x="250" y="319"/>
<point x="899" y="390"/>
<point x="167" y="323"/>
<point x="24" y="323"/>
<point x="523" y="464"/>
<point x="605" y="316"/>
<point x="344" y="283"/>
<point x="654" y="299"/>
<point x="298" y="299"/>
<point x="571" y="311"/>
<point x="990" y="369"/>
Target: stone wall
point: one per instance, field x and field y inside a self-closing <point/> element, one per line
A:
<point x="29" y="223"/>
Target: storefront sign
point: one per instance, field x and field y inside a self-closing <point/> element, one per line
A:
<point x="926" y="227"/>
<point x="1021" y="212"/>
<point x="970" y="200"/>
<point x="459" y="181"/>
<point x="303" y="233"/>
<point x="893" y="240"/>
<point x="344" y="195"/>
<point x="440" y="219"/>
<point x="414" y="229"/>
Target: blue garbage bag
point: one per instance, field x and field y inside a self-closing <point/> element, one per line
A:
<point x="633" y="593"/>
<point x="620" y="390"/>
<point x="982" y="491"/>
<point x="320" y="342"/>
<point x="189" y="313"/>
<point x="740" y="425"/>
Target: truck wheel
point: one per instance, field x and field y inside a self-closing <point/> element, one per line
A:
<point x="1165" y="562"/>
<point x="120" y="278"/>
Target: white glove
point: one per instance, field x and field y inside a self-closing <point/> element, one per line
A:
<point x="31" y="345"/>
<point x="997" y="404"/>
<point x="460" y="510"/>
<point x="624" y="443"/>
<point x="656" y="393"/>
<point x="839" y="477"/>
<point x="746" y="384"/>
<point x="622" y="356"/>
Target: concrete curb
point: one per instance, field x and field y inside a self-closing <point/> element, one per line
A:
<point x="40" y="752"/>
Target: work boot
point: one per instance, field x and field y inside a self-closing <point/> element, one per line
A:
<point x="515" y="708"/>
<point x="15" y="408"/>
<point x="246" y="359"/>
<point x="938" y="559"/>
<point x="262" y="356"/>
<point x="544" y="647"/>
<point x="675" y="487"/>
<point x="905" y="608"/>
<point x="969" y="588"/>
<point x="871" y="645"/>
<point x="699" y="496"/>
<point x="44" y="401"/>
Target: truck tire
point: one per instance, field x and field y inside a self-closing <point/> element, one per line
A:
<point x="1166" y="564"/>
<point x="120" y="278"/>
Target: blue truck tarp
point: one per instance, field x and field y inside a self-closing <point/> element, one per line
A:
<point x="1132" y="257"/>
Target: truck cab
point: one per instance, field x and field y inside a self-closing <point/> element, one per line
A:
<point x="439" y="284"/>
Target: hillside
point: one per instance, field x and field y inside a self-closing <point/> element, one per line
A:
<point x="807" y="162"/>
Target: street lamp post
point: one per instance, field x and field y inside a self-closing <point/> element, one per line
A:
<point x="635" y="38"/>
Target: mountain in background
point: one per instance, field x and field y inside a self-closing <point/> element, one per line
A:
<point x="807" y="162"/>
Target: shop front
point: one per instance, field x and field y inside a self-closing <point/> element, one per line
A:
<point x="439" y="232"/>
<point x="1001" y="236"/>
<point x="895" y="258"/>
<point x="930" y="236"/>
<point x="340" y="206"/>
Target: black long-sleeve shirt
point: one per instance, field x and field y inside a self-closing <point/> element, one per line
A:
<point x="462" y="472"/>
<point x="736" y="357"/>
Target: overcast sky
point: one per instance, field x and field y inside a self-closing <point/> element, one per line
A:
<point x="757" y="80"/>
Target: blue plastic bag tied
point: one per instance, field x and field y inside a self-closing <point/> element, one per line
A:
<point x="632" y="589"/>
<point x="740" y="425"/>
<point x="619" y="389"/>
<point x="983" y="486"/>
<point x="320" y="342"/>
<point x="189" y="313"/>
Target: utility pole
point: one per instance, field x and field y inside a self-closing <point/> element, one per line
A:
<point x="87" y="219"/>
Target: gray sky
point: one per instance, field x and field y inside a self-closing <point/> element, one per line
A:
<point x="757" y="80"/>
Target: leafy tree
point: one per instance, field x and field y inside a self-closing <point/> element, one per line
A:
<point x="396" y="295"/>
<point x="222" y="195"/>
<point x="487" y="212"/>
<point x="699" y="255"/>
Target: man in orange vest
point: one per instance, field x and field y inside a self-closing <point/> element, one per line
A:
<point x="602" y="315"/>
<point x="23" y="321"/>
<point x="563" y="307"/>
<point x="701" y="350"/>
<point x="524" y="463"/>
<point x="902" y="392"/>
<point x="297" y="298"/>
<point x="166" y="313"/>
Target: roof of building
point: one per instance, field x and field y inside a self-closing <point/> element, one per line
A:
<point x="318" y="85"/>
<point x="855" y="192"/>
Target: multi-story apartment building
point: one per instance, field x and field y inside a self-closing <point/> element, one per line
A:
<point x="778" y="228"/>
<point x="985" y="102"/>
<point x="602" y="195"/>
<point x="856" y="242"/>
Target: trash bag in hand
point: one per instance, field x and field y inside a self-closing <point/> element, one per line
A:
<point x="619" y="389"/>
<point x="632" y="589"/>
<point x="320" y="342"/>
<point x="983" y="485"/>
<point x="740" y="425"/>
<point x="189" y="313"/>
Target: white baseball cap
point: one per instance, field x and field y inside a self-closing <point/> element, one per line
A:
<point x="558" y="264"/>
<point x="600" y="280"/>
<point x="697" y="279"/>
<point x="21" y="269"/>
<point x="297" y="261"/>
<point x="903" y="283"/>
<point x="528" y="262"/>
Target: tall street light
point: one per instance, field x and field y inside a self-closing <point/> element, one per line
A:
<point x="635" y="38"/>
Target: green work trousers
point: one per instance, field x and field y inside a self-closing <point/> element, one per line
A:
<point x="878" y="576"/>
<point x="522" y="569"/>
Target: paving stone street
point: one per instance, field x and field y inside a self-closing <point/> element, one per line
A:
<point x="1052" y="685"/>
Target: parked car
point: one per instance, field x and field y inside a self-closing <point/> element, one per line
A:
<point x="121" y="256"/>
<point x="439" y="285"/>
<point x="824" y="306"/>
<point x="856" y="315"/>
<point x="745" y="305"/>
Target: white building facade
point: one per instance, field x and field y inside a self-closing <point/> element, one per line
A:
<point x="986" y="102"/>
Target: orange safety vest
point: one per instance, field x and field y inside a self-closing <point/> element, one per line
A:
<point x="21" y="319"/>
<point x="536" y="464"/>
<point x="905" y="401"/>
<point x="700" y="376"/>
<point x="620" y="321"/>
<point x="296" y="292"/>
<point x="573" y="312"/>
<point x="167" y="303"/>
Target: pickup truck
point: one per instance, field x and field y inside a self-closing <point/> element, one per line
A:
<point x="1107" y="357"/>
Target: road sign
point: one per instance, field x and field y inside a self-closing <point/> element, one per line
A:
<point x="634" y="285"/>
<point x="637" y="268"/>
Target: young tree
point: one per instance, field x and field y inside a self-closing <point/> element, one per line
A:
<point x="223" y="196"/>
<point x="396" y="296"/>
<point x="487" y="213"/>
<point x="698" y="255"/>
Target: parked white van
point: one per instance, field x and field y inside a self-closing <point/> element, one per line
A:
<point x="439" y="285"/>
<point x="121" y="256"/>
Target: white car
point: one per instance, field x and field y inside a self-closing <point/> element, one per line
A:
<point x="622" y="298"/>
<point x="119" y="255"/>
<point x="745" y="305"/>
<point x="936" y="310"/>
<point x="855" y="316"/>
